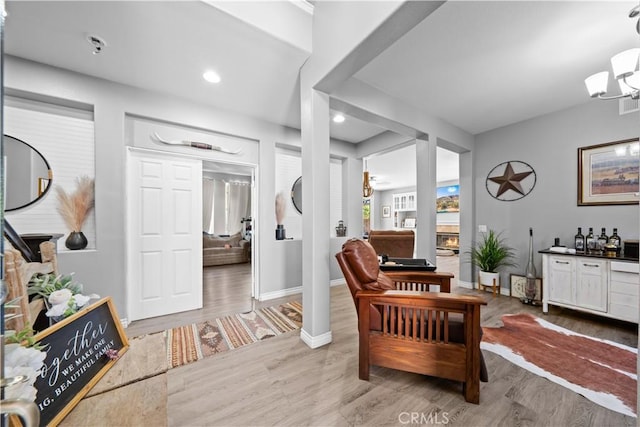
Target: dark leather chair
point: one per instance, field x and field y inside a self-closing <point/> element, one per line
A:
<point x="393" y="243"/>
<point x="430" y="333"/>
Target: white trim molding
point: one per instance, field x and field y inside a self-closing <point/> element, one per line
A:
<point x="294" y="291"/>
<point x="468" y="285"/>
<point x="338" y="282"/>
<point x="474" y="285"/>
<point x="265" y="296"/>
<point x="315" y="342"/>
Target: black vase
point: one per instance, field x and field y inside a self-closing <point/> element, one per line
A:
<point x="280" y="232"/>
<point x="76" y="240"/>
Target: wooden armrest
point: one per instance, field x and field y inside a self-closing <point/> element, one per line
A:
<point x="397" y="296"/>
<point x="425" y="276"/>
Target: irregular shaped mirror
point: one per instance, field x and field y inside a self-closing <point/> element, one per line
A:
<point x="28" y="174"/>
<point x="296" y="194"/>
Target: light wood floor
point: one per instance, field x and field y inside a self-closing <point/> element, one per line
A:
<point x="226" y="290"/>
<point x="281" y="381"/>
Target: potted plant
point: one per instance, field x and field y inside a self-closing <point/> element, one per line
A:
<point x="74" y="209"/>
<point x="489" y="255"/>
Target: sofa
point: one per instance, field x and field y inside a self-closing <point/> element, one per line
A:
<point x="393" y="243"/>
<point x="219" y="250"/>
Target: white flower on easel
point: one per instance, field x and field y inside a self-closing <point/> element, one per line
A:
<point x="20" y="360"/>
<point x="63" y="303"/>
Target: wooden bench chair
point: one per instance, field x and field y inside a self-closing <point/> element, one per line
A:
<point x="429" y="333"/>
<point x="393" y="243"/>
<point x="17" y="274"/>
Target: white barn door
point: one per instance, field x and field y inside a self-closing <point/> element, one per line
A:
<point x="164" y="233"/>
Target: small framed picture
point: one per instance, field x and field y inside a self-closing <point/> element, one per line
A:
<point x="409" y="223"/>
<point x="386" y="212"/>
<point x="519" y="284"/>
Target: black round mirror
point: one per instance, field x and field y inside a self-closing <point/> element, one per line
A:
<point x="296" y="194"/>
<point x="28" y="174"/>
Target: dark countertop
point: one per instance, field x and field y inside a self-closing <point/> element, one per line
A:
<point x="617" y="258"/>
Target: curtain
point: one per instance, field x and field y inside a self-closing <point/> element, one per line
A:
<point x="219" y="207"/>
<point x="207" y="206"/>
<point x="239" y="207"/>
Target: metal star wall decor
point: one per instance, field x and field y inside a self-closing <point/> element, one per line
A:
<point x="517" y="180"/>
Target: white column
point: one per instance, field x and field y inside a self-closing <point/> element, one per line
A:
<point x="352" y="196"/>
<point x="426" y="198"/>
<point x="466" y="276"/>
<point x="316" y="256"/>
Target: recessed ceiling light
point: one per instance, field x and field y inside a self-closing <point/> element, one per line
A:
<point x="338" y="118"/>
<point x="211" y="76"/>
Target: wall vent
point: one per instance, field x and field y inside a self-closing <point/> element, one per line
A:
<point x="628" y="105"/>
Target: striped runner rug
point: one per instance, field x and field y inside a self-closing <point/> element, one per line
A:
<point x="186" y="344"/>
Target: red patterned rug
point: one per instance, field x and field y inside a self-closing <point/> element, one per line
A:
<point x="190" y="343"/>
<point x="600" y="370"/>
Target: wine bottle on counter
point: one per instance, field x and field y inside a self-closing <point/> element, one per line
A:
<point x="592" y="243"/>
<point x="579" y="241"/>
<point x="615" y="239"/>
<point x="603" y="239"/>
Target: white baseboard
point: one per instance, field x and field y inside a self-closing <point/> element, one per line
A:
<point x="467" y="285"/>
<point x="315" y="342"/>
<point x="338" y="282"/>
<point x="293" y="291"/>
<point x="474" y="285"/>
<point x="265" y="296"/>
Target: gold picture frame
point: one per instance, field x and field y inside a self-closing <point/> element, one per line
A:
<point x="608" y="173"/>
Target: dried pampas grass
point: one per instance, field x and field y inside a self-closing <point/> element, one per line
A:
<point x="75" y="207"/>
<point x="281" y="208"/>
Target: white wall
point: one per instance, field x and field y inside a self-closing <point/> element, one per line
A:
<point x="65" y="138"/>
<point x="550" y="145"/>
<point x="103" y="271"/>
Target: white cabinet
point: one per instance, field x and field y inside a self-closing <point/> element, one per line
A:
<point x="561" y="280"/>
<point x="404" y="207"/>
<point x="591" y="284"/>
<point x="624" y="286"/>
<point x="404" y="201"/>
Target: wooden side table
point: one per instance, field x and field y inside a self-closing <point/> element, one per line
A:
<point x="495" y="287"/>
<point x="33" y="240"/>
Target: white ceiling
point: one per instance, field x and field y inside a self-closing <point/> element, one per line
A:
<point x="164" y="47"/>
<point x="392" y="170"/>
<point x="478" y="65"/>
<point x="481" y="65"/>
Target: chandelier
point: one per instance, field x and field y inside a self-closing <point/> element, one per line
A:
<point x="625" y="70"/>
<point x="367" y="189"/>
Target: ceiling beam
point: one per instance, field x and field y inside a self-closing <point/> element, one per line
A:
<point x="401" y="21"/>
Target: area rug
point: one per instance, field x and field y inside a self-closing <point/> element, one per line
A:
<point x="132" y="393"/>
<point x="600" y="370"/>
<point x="193" y="342"/>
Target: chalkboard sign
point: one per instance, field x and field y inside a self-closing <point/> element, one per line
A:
<point x="77" y="357"/>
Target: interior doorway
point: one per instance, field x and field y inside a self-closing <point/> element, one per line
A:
<point x="393" y="205"/>
<point x="229" y="214"/>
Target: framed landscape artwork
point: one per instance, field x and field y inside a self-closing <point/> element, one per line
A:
<point x="448" y="199"/>
<point x="608" y="173"/>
